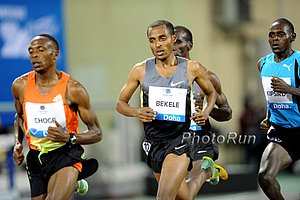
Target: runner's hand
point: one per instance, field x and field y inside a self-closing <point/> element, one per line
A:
<point x="199" y="117"/>
<point x="18" y="153"/>
<point x="146" y="114"/>
<point x="57" y="134"/>
<point x="265" y="125"/>
<point x="280" y="85"/>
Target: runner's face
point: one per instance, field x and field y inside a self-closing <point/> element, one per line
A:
<point x="161" y="42"/>
<point x="181" y="46"/>
<point x="279" y="38"/>
<point x="42" y="53"/>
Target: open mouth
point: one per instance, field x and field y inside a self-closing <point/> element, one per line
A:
<point x="160" y="52"/>
<point x="275" y="46"/>
<point x="36" y="64"/>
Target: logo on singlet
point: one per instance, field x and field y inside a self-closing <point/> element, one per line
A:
<point x="287" y="66"/>
<point x="57" y="98"/>
<point x="174" y="84"/>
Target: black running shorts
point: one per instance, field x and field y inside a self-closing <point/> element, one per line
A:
<point x="203" y="144"/>
<point x="288" y="138"/>
<point x="157" y="150"/>
<point x="39" y="173"/>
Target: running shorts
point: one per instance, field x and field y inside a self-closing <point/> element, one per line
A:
<point x="288" y="138"/>
<point x="40" y="170"/>
<point x="156" y="150"/>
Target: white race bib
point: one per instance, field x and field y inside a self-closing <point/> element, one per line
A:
<point x="276" y="100"/>
<point x="169" y="103"/>
<point x="41" y="116"/>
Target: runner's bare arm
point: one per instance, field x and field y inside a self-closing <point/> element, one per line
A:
<point x="202" y="79"/>
<point x="18" y="88"/>
<point x="80" y="100"/>
<point x="144" y="114"/>
<point x="222" y="112"/>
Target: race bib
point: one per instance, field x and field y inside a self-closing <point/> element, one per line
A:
<point x="277" y="100"/>
<point x="41" y="116"/>
<point x="169" y="103"/>
<point x="194" y="126"/>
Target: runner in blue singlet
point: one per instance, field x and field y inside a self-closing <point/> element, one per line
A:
<point x="279" y="73"/>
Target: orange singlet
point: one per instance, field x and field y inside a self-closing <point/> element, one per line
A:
<point x="41" y="111"/>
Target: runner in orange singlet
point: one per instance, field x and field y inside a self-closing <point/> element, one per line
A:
<point x="48" y="102"/>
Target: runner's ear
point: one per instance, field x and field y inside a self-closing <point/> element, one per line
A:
<point x="293" y="37"/>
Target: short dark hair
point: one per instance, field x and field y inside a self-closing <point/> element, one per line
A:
<point x="168" y="24"/>
<point x="51" y="38"/>
<point x="286" y="23"/>
<point x="189" y="35"/>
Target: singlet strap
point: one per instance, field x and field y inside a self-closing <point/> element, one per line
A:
<point x="297" y="79"/>
<point x="149" y="63"/>
<point x="297" y="83"/>
<point x="262" y="63"/>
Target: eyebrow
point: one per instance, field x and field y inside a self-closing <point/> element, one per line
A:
<point x="281" y="31"/>
<point x="39" y="46"/>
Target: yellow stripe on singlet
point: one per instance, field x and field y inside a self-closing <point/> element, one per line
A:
<point x="141" y="97"/>
<point x="191" y="98"/>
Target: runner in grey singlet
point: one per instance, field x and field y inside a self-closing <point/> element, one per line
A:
<point x="159" y="128"/>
